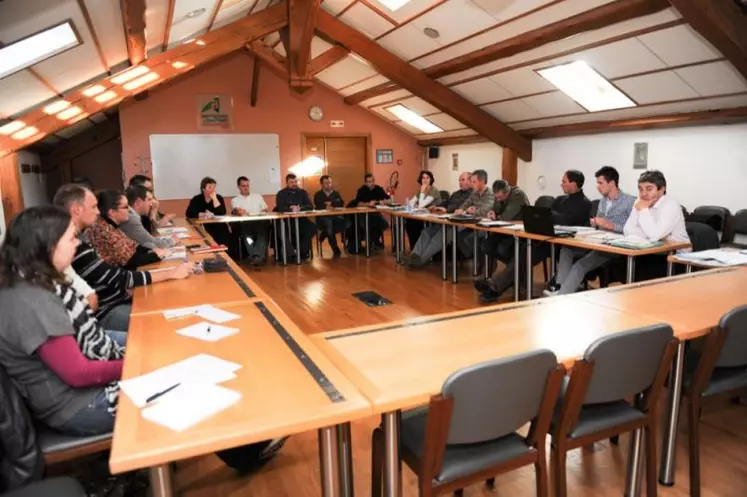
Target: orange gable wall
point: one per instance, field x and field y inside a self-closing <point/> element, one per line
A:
<point x="172" y="109"/>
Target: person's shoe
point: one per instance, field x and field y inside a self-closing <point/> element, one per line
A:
<point x="550" y="293"/>
<point x="336" y="253"/>
<point x="273" y="448"/>
<point x="481" y="284"/>
<point x="489" y="296"/>
<point x="256" y="261"/>
<point x="552" y="288"/>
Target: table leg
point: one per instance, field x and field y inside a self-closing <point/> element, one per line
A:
<point x="453" y="254"/>
<point x="635" y="458"/>
<point x="160" y="481"/>
<point x="552" y="260"/>
<point x="298" y="243"/>
<point x="631" y="270"/>
<point x="669" y="441"/>
<point x="368" y="240"/>
<point x="392" y="461"/>
<point x="474" y="254"/>
<point x="283" y="240"/>
<point x="355" y="229"/>
<point x="401" y="237"/>
<point x="530" y="279"/>
<point x="443" y="252"/>
<point x="688" y="269"/>
<point x="486" y="265"/>
<point x="328" y="462"/>
<point x="517" y="276"/>
<point x="275" y="232"/>
<point x="395" y="237"/>
<point x="670" y="268"/>
<point x="345" y="454"/>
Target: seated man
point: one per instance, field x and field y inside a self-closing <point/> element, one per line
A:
<point x="370" y="195"/>
<point x="479" y="204"/>
<point x="612" y="213"/>
<point x="331" y="225"/>
<point x="256" y="234"/>
<point x="295" y="199"/>
<point x="655" y="217"/>
<point x="571" y="209"/>
<point x="509" y="201"/>
<point x="141" y="200"/>
<point x="429" y="241"/>
<point x="154" y="219"/>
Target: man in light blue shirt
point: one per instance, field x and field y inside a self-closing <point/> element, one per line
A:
<point x="613" y="212"/>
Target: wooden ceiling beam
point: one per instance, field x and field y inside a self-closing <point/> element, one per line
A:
<point x="328" y="58"/>
<point x="274" y="60"/>
<point x="452" y="140"/>
<point x="133" y="16"/>
<point x="254" y="93"/>
<point x="722" y="23"/>
<point x="215" y="44"/>
<point x="302" y="16"/>
<point x="702" y="118"/>
<point x="598" y="18"/>
<point x="415" y="81"/>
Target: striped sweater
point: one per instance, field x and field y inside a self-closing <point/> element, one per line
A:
<point x="112" y="284"/>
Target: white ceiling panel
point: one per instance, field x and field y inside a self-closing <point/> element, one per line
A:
<point x="232" y="11"/>
<point x="572" y="43"/>
<point x="408" y="10"/>
<point x="334" y="7"/>
<point x="385" y="114"/>
<point x="504" y="10"/>
<point x="553" y="104"/>
<point x="419" y="106"/>
<point x="717" y="78"/>
<point x="445" y="122"/>
<point x="363" y="85"/>
<point x="183" y="27"/>
<point x="280" y="48"/>
<point x="619" y="59"/>
<point x="68" y="70"/>
<point x="637" y="112"/>
<point x="348" y="70"/>
<point x="27" y="92"/>
<point x="657" y="87"/>
<point x="454" y="20"/>
<point x="106" y="17"/>
<point x="271" y="38"/>
<point x="513" y="110"/>
<point x="522" y="81"/>
<point x="408" y="42"/>
<point x="156" y="12"/>
<point x="389" y="97"/>
<point x="679" y="45"/>
<point x="318" y="47"/>
<point x="481" y="91"/>
<point x="366" y="21"/>
<point x="76" y="128"/>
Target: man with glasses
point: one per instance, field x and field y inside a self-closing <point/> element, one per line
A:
<point x="141" y="203"/>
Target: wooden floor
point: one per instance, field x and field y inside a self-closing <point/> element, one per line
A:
<point x="318" y="297"/>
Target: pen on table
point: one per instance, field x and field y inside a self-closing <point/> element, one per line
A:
<point x="208" y="330"/>
<point x="162" y="392"/>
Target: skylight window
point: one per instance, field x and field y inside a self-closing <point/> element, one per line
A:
<point x="586" y="86"/>
<point x="413" y="119"/>
<point x="36" y="48"/>
<point x="393" y="4"/>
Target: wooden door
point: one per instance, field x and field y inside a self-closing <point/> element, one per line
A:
<point x="314" y="147"/>
<point x="346" y="163"/>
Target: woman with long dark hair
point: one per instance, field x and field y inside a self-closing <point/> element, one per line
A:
<point x="428" y="196"/>
<point x="51" y="345"/>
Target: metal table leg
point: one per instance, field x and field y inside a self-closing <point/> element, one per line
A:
<point x="486" y="265"/>
<point x="669" y="441"/>
<point x="282" y="240"/>
<point x="392" y="461"/>
<point x="474" y="254"/>
<point x="355" y="228"/>
<point x="328" y="462"/>
<point x="443" y="252"/>
<point x="552" y="260"/>
<point x="688" y="269"/>
<point x="395" y="236"/>
<point x="635" y="460"/>
<point x="670" y="268"/>
<point x="298" y="243"/>
<point x="345" y="454"/>
<point x="160" y="481"/>
<point x="517" y="276"/>
<point x="631" y="270"/>
<point x="530" y="279"/>
<point x="453" y="254"/>
<point x="368" y="240"/>
<point x="275" y="232"/>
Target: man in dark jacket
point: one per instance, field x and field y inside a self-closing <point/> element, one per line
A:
<point x="327" y="198"/>
<point x="370" y="195"/>
<point x="295" y="199"/>
<point x="509" y="202"/>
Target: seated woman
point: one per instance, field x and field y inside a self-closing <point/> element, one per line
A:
<point x="207" y="205"/>
<point x="51" y="344"/>
<point x="427" y="196"/>
<point x="111" y="243"/>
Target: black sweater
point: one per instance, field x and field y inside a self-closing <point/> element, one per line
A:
<point x="199" y="204"/>
<point x="572" y="210"/>
<point x="320" y="197"/>
<point x="365" y="194"/>
<point x="287" y="197"/>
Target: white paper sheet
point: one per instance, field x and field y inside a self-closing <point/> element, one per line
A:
<point x="207" y="331"/>
<point x="486" y="222"/>
<point x="205" y="311"/>
<point x="171" y="231"/>
<point x="189" y="404"/>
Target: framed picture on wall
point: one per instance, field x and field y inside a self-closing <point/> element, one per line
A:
<point x="214" y="112"/>
<point x="384" y="156"/>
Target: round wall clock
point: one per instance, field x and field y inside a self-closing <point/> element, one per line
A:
<point x="316" y="113"/>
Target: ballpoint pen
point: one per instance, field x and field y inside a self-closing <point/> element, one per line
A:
<point x="162" y="392"/>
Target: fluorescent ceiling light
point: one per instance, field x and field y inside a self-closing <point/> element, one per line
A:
<point x="586" y="86"/>
<point x="25" y="133"/>
<point x="93" y="91"/>
<point x="36" y="48"/>
<point x="141" y="81"/>
<point x="56" y="107"/>
<point x="131" y="74"/>
<point x="179" y="64"/>
<point x="393" y="4"/>
<point x="69" y="113"/>
<point x="414" y="119"/>
<point x="105" y="97"/>
<point x="12" y="127"/>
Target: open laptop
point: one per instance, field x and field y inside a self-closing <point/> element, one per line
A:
<point x="538" y="221"/>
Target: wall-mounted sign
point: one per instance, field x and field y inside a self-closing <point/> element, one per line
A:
<point x="337" y="124"/>
<point x="640" y="155"/>
<point x="455" y="162"/>
<point x="214" y="112"/>
<point x="384" y="156"/>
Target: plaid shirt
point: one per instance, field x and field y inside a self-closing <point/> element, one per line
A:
<point x="482" y="202"/>
<point x="618" y="210"/>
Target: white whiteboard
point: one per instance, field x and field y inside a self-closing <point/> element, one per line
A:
<point x="181" y="161"/>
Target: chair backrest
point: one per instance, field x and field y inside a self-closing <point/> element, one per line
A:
<point x="594" y="207"/>
<point x="716" y="216"/>
<point x="739" y="225"/>
<point x="495" y="398"/>
<point x="702" y="236"/>
<point x="444" y="195"/>
<point x="625" y="363"/>
<point x="544" y="201"/>
<point x="734" y="351"/>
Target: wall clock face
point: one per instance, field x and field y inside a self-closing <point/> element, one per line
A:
<point x="315" y="113"/>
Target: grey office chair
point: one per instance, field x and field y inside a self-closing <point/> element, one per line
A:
<point x="718" y="369"/>
<point x="53" y="487"/>
<point x="468" y="432"/>
<point x="593" y="407"/>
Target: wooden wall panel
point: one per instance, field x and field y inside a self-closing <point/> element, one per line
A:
<point x="10" y="186"/>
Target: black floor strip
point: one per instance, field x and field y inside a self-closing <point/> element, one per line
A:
<point x="242" y="284"/>
<point x="320" y="378"/>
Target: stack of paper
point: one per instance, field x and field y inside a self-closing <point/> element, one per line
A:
<point x="207" y="331"/>
<point x="205" y="311"/>
<point x="716" y="257"/>
<point x="171" y="231"/>
<point x="176" y="254"/>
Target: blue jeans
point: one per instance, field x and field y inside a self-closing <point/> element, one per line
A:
<point x="93" y="420"/>
<point x="118" y="336"/>
<point x="117" y="319"/>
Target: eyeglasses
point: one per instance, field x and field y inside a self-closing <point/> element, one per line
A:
<point x="123" y="207"/>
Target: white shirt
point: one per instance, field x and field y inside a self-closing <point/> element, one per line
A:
<point x="664" y="221"/>
<point x="252" y="203"/>
<point x="421" y="200"/>
<point x="78" y="283"/>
